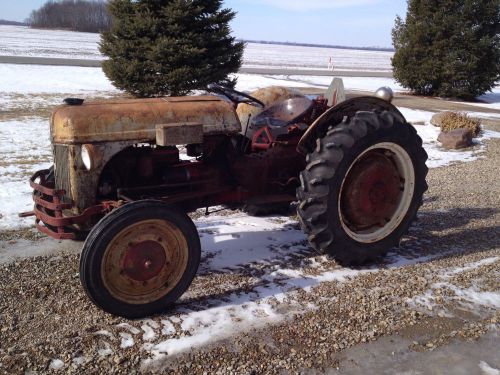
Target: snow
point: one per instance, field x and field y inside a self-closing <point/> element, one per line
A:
<point x="370" y="84"/>
<point x="24" y="148"/>
<point x="25" y="249"/>
<point x="56" y="364"/>
<point x="491" y="99"/>
<point x="220" y="236"/>
<point x="251" y="82"/>
<point x="106" y="351"/>
<point x="438" y="156"/>
<point x="168" y="328"/>
<point x="473" y="266"/>
<point x="216" y="323"/>
<point x="103" y="332"/>
<point x="280" y="281"/>
<point x="281" y="56"/>
<point x="487" y="369"/>
<point x="80" y="360"/>
<point x="28" y="79"/>
<point x="149" y="330"/>
<point x="471" y="298"/>
<point x="129" y="328"/>
<point x="127" y="340"/>
<point x="23" y="41"/>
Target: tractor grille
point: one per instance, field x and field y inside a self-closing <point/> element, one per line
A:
<point x="61" y="159"/>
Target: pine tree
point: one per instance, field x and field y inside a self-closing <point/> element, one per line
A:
<point x="448" y="48"/>
<point x="169" y="47"/>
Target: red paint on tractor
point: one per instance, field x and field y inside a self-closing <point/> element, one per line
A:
<point x="144" y="260"/>
<point x="371" y="192"/>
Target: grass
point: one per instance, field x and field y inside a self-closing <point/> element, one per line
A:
<point x="457" y="120"/>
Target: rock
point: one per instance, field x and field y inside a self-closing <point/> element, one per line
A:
<point x="456" y="139"/>
<point x="437" y="119"/>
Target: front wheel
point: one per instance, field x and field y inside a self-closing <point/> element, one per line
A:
<point x="139" y="259"/>
<point x="362" y="187"/>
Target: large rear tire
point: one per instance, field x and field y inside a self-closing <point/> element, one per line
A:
<point x="139" y="259"/>
<point x="362" y="186"/>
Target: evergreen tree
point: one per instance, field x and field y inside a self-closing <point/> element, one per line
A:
<point x="448" y="48"/>
<point x="169" y="47"/>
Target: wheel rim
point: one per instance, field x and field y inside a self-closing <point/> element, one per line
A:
<point x="144" y="262"/>
<point x="376" y="193"/>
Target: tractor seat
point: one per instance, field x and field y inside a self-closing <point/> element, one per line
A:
<point x="283" y="113"/>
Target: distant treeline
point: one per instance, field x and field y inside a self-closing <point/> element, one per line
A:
<point x="76" y="15"/>
<point x="13" y="23"/>
<point x="384" y="49"/>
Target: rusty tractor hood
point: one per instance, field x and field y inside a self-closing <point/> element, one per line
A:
<point x="136" y="119"/>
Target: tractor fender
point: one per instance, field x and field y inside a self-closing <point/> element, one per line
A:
<point x="335" y="115"/>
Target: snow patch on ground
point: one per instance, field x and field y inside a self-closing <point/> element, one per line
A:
<point x="24" y="148"/>
<point x="438" y="156"/>
<point x="487" y="369"/>
<point x="471" y="298"/>
<point x="28" y="79"/>
<point x="491" y="99"/>
<point x="212" y="324"/>
<point x="127" y="340"/>
<point x="149" y="327"/>
<point x="106" y="351"/>
<point x="274" y="299"/>
<point x="275" y="250"/>
<point x="251" y="82"/>
<point x="56" y="364"/>
<point x="19" y="249"/>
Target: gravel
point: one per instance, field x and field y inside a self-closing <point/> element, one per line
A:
<point x="47" y="324"/>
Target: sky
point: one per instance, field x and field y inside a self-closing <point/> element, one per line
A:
<point x="357" y="23"/>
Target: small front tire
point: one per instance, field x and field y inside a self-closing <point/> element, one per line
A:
<point x="139" y="259"/>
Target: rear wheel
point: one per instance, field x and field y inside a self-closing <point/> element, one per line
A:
<point x="140" y="259"/>
<point x="362" y="187"/>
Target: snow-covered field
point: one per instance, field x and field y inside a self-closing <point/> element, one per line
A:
<point x="23" y="41"/>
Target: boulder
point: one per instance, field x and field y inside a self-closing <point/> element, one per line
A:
<point x="456" y="139"/>
<point x="437" y="119"/>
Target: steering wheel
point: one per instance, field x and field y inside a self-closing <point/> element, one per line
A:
<point x="235" y="96"/>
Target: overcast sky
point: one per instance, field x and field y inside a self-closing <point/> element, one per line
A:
<point x="340" y="22"/>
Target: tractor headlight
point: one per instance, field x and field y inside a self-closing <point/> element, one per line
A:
<point x="86" y="156"/>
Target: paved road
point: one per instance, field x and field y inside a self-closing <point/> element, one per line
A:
<point x="261" y="71"/>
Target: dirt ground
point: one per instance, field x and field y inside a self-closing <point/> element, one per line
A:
<point x="436" y="312"/>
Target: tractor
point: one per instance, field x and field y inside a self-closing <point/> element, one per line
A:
<point x="126" y="173"/>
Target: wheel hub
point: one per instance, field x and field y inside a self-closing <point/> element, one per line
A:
<point x="372" y="192"/>
<point x="144" y="260"/>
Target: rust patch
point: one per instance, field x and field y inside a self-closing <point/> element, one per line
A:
<point x="136" y="120"/>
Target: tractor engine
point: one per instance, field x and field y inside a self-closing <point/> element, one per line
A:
<point x="272" y="170"/>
